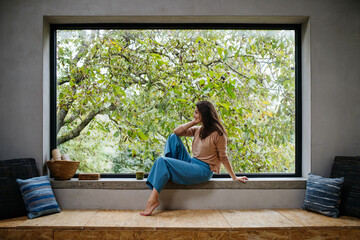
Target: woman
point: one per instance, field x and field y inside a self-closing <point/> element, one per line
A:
<point x="209" y="151"/>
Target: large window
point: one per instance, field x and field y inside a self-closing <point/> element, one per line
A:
<point x="118" y="91"/>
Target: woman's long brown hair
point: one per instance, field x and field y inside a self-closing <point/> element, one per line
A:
<point x="210" y="119"/>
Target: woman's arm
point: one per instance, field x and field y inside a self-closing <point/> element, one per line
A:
<point x="181" y="130"/>
<point x="221" y="148"/>
<point x="230" y="170"/>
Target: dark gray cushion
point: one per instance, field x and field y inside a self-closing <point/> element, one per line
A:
<point x="323" y="195"/>
<point x="349" y="168"/>
<point x="11" y="201"/>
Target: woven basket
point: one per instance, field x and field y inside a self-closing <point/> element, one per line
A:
<point x="62" y="170"/>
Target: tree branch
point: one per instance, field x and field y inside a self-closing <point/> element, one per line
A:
<point x="234" y="70"/>
<point x="76" y="131"/>
<point x="63" y="80"/>
<point x="72" y="118"/>
<point x="121" y="55"/>
<point x="63" y="112"/>
<point x="60" y="119"/>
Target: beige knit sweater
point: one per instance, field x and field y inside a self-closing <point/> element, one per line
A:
<point x="211" y="150"/>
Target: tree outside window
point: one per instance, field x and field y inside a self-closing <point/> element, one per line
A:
<point x="120" y="93"/>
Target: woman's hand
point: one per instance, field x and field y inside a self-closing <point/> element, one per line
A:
<point x="241" y="179"/>
<point x="196" y="121"/>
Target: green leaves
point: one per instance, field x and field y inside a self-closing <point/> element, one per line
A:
<point x="229" y="89"/>
<point x="141" y="135"/>
<point x="118" y="91"/>
<point x="220" y="51"/>
<point x="151" y="80"/>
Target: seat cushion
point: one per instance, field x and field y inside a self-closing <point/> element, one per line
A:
<point x="349" y="168"/>
<point x="38" y="196"/>
<point x="323" y="195"/>
<point x="11" y="201"/>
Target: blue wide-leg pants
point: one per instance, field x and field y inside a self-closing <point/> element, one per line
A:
<point x="178" y="166"/>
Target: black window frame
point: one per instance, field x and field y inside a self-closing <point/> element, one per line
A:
<point x="232" y="26"/>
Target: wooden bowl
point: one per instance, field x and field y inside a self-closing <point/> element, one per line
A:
<point x="62" y="170"/>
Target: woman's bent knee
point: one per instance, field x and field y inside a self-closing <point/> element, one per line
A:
<point x="173" y="135"/>
<point x="174" y="138"/>
<point x="160" y="160"/>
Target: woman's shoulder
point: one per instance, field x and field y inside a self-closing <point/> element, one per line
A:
<point x="217" y="136"/>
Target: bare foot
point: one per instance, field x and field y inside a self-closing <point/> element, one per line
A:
<point x="150" y="207"/>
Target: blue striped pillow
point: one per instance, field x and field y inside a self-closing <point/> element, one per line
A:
<point x="38" y="196"/>
<point x="323" y="195"/>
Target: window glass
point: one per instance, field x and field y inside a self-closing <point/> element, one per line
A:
<point x="120" y="93"/>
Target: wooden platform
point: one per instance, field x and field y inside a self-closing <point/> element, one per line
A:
<point x="293" y="224"/>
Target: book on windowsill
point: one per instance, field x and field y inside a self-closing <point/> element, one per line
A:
<point x="89" y="176"/>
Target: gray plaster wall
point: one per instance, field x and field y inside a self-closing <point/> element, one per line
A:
<point x="331" y="51"/>
<point x="180" y="199"/>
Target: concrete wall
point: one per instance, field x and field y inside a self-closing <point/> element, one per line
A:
<point x="181" y="199"/>
<point x="331" y="49"/>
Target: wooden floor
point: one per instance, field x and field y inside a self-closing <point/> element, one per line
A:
<point x="182" y="224"/>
